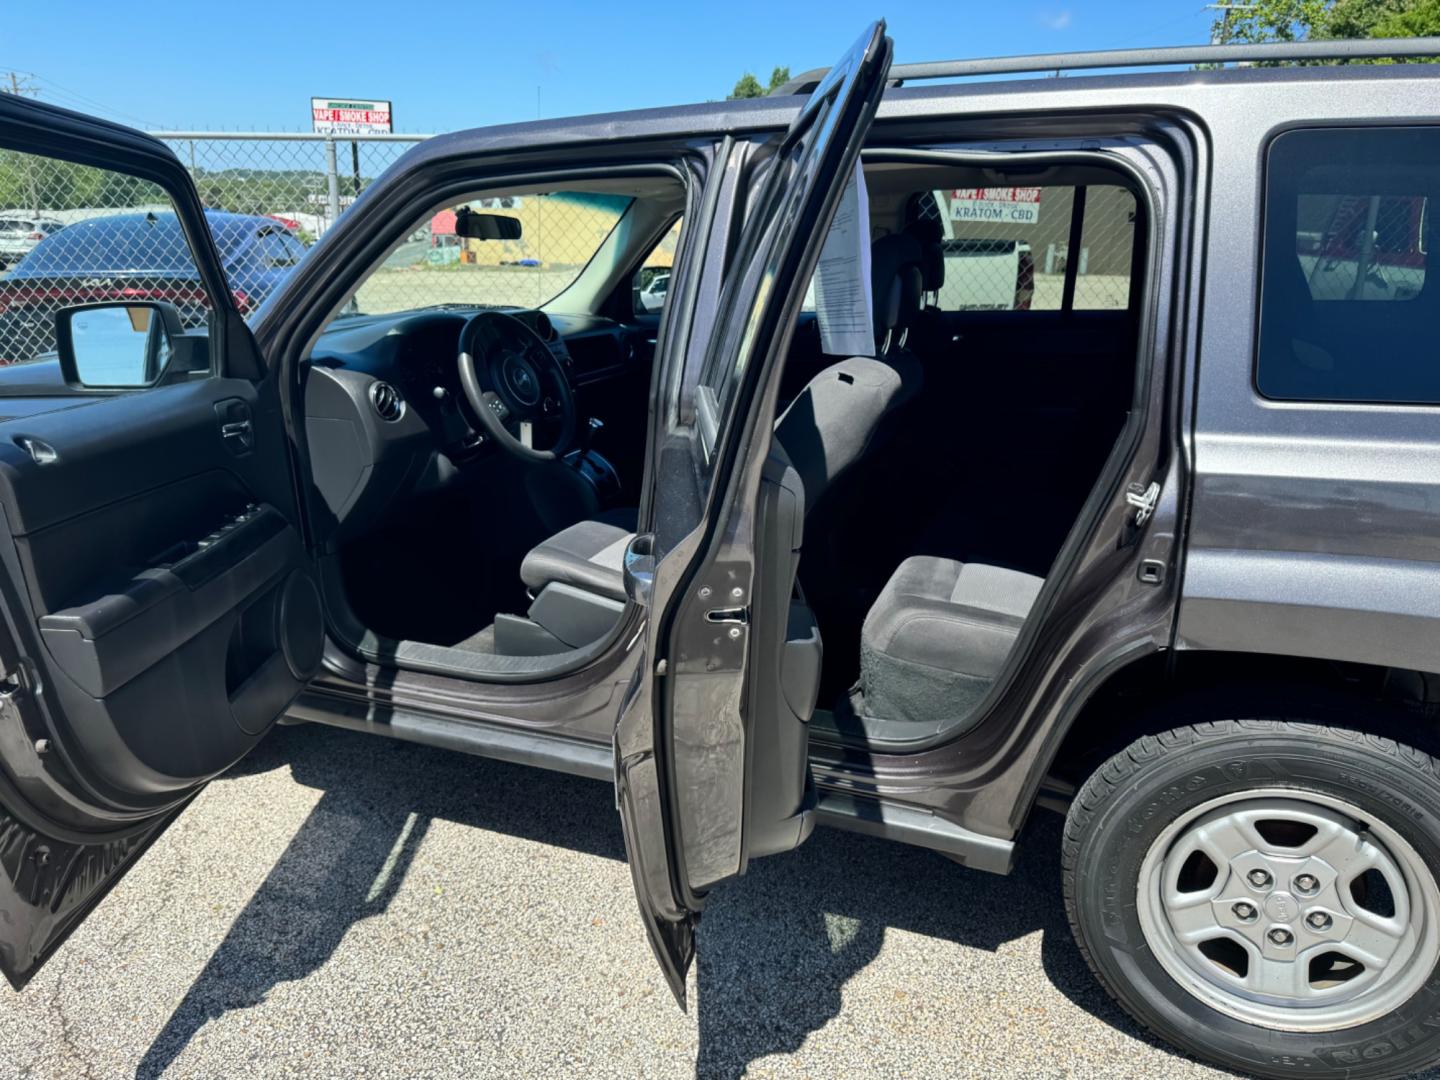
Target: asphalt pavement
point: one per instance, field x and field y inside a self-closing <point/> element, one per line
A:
<point x="344" y="905"/>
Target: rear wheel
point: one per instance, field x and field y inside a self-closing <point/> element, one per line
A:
<point x="1264" y="894"/>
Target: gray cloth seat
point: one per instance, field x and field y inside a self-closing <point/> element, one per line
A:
<point x="937" y="636"/>
<point x="588" y="555"/>
<point x="841" y="415"/>
<point x="837" y="419"/>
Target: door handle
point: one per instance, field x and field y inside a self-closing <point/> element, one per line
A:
<point x="237" y="431"/>
<point x="239" y="435"/>
<point x="639" y="572"/>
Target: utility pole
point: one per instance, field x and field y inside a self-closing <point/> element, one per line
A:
<point x="1221" y="35"/>
<point x="20" y="84"/>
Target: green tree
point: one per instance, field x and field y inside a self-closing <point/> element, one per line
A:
<point x="748" y="86"/>
<point x="1300" y="20"/>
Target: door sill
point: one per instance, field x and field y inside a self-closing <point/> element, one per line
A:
<point x="921" y="828"/>
<point x="594" y="760"/>
<point x="538" y="748"/>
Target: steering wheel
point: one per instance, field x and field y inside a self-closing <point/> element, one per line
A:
<point x="514" y="384"/>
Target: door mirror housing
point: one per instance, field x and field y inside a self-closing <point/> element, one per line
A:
<point x="115" y="345"/>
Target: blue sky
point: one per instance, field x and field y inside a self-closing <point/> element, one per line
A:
<point x="254" y="65"/>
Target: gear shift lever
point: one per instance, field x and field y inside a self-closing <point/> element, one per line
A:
<point x="587" y="438"/>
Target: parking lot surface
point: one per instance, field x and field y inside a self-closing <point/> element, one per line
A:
<point x="347" y="905"/>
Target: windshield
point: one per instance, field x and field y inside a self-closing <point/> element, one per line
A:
<point x="560" y="232"/>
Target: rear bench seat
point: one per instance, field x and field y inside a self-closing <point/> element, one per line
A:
<point x="937" y="637"/>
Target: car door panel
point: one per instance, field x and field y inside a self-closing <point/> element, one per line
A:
<point x="158" y="604"/>
<point x="711" y="745"/>
<point x="147" y="623"/>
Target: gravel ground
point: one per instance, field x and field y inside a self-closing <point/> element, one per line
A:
<point x="346" y="905"/>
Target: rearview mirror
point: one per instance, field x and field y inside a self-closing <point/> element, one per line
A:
<point x="474" y="226"/>
<point x="116" y="346"/>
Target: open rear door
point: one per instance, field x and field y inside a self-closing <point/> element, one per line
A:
<point x="711" y="743"/>
<point x="158" y="610"/>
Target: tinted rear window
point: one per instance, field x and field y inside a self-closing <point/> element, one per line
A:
<point x="1347" y="307"/>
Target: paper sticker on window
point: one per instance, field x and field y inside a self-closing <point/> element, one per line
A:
<point x="842" y="279"/>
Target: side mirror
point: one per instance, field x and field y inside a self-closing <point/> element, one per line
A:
<point x="473" y="226"/>
<point x="116" y="346"/>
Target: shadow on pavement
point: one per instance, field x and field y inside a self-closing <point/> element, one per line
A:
<point x="350" y="855"/>
<point x="775" y="949"/>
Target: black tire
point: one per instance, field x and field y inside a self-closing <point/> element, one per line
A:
<point x="1131" y="799"/>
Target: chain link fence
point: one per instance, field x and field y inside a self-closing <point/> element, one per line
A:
<point x="308" y="181"/>
<point x="1362" y="247"/>
<point x="1009" y="248"/>
<point x="71" y="234"/>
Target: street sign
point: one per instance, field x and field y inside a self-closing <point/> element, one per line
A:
<point x="350" y="116"/>
<point x="996" y="205"/>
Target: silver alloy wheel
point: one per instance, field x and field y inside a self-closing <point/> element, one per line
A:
<point x="1290" y="909"/>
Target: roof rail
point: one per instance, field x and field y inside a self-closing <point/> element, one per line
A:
<point x="1345" y="49"/>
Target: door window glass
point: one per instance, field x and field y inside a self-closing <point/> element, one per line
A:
<point x="652" y="281"/>
<point x="1107" y="245"/>
<point x="87" y="235"/>
<point x="1009" y="248"/>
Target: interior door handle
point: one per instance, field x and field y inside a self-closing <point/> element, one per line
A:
<point x="236" y="429"/>
<point x="639" y="570"/>
<point x="239" y="435"/>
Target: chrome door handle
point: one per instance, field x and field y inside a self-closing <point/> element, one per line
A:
<point x="240" y="434"/>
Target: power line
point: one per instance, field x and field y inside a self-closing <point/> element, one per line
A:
<point x="32" y="85"/>
<point x="1147" y="36"/>
<point x="49" y="86"/>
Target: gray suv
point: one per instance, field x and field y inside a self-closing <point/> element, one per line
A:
<point x="1142" y="531"/>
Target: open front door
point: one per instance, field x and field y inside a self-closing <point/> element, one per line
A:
<point x="157" y="607"/>
<point x="711" y="743"/>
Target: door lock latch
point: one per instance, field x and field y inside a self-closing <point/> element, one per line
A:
<point x="739" y="616"/>
<point x="1143" y="499"/>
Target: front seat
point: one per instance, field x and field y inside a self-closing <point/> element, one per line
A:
<point x="840" y="416"/>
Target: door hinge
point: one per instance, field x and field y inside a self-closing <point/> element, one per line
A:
<point x="1143" y="499"/>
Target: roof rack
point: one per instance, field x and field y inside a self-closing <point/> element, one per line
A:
<point x="1346" y="49"/>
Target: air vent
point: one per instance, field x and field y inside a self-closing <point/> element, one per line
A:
<point x="389" y="405"/>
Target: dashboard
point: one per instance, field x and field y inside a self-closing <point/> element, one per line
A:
<point x="385" y="415"/>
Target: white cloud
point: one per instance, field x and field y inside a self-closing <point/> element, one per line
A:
<point x="1055" y="20"/>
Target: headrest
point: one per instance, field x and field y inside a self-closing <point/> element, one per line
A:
<point x="895" y="282"/>
<point x="922" y="221"/>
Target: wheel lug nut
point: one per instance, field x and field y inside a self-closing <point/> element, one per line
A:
<point x="1259" y="878"/>
<point x="1308" y="884"/>
<point x="1280" y="936"/>
<point x="1244" y="912"/>
<point x="1318" y="920"/>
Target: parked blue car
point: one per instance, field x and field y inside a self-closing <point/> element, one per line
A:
<point x="136" y="256"/>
